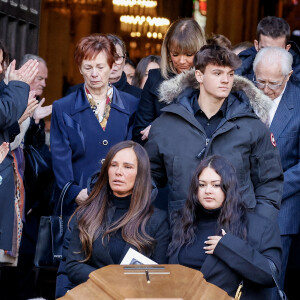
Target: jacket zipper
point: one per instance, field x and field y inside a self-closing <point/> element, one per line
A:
<point x="199" y="155"/>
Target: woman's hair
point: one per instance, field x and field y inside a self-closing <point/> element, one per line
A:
<point x="184" y="36"/>
<point x="92" y="213"/>
<point x="142" y="67"/>
<point x="219" y="39"/>
<point x="89" y="47"/>
<point x="5" y="61"/>
<point x="232" y="217"/>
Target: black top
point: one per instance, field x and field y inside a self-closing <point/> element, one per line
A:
<point x="124" y="86"/>
<point x="116" y="243"/>
<point x="194" y="255"/>
<point x="209" y="125"/>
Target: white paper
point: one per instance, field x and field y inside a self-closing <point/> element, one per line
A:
<point x="133" y="257"/>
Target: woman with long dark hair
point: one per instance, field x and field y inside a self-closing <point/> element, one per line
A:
<point x="141" y="73"/>
<point x="214" y="233"/>
<point x="117" y="215"/>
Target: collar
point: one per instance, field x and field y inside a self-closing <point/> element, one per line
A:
<point x="121" y="83"/>
<point x="81" y="102"/>
<point x="196" y="108"/>
<point x="277" y="100"/>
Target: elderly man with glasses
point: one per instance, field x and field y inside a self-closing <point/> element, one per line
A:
<point x="273" y="69"/>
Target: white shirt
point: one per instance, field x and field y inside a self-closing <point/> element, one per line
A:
<point x="274" y="106"/>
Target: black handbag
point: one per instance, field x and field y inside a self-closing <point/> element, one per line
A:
<point x="274" y="272"/>
<point x="51" y="232"/>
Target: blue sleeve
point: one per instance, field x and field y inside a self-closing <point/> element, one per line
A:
<point x="62" y="153"/>
<point x="13" y="102"/>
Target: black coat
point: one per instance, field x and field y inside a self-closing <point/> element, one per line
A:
<point x="78" y="272"/>
<point x="13" y="102"/>
<point x="177" y="143"/>
<point x="149" y="106"/>
<point x="235" y="260"/>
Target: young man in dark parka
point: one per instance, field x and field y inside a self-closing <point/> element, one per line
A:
<point x="226" y="117"/>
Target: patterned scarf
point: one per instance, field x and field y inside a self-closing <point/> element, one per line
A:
<point x="102" y="120"/>
<point x="18" y="204"/>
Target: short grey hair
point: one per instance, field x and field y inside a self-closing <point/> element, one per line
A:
<point x="271" y="55"/>
<point x="26" y="57"/>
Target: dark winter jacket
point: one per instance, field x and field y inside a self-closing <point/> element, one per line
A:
<point x="247" y="56"/>
<point x="177" y="143"/>
<point x="13" y="102"/>
<point x="235" y="260"/>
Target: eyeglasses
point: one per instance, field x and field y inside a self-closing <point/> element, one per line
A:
<point x="119" y="59"/>
<point x="271" y="86"/>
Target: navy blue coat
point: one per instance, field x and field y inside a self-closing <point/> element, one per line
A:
<point x="13" y="102"/>
<point x="235" y="260"/>
<point x="78" y="142"/>
<point x="286" y="129"/>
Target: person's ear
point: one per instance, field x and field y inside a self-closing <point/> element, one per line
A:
<point x="256" y="45"/>
<point x="288" y="47"/>
<point x="199" y="76"/>
<point x="289" y="75"/>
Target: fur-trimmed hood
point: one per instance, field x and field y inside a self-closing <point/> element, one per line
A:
<point x="170" y="89"/>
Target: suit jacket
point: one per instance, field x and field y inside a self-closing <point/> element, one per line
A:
<point x="157" y="227"/>
<point x="235" y="260"/>
<point x="79" y="144"/>
<point x="286" y="129"/>
<point x="13" y="102"/>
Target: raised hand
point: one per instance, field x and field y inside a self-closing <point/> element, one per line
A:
<point x="42" y="112"/>
<point x="26" y="73"/>
<point x="31" y="107"/>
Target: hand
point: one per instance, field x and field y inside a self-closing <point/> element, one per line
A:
<point x="82" y="196"/>
<point x="145" y="133"/>
<point x="213" y="242"/>
<point x="42" y="112"/>
<point x="26" y="73"/>
<point x="31" y="106"/>
<point x="4" y="148"/>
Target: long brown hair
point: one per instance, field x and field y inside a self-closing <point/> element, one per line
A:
<point x="91" y="214"/>
<point x="232" y="218"/>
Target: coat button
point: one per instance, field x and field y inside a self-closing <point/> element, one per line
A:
<point x="105" y="142"/>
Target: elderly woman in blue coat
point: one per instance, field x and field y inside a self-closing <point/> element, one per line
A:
<point x="87" y="122"/>
<point x="214" y="233"/>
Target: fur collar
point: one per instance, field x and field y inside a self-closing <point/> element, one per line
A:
<point x="170" y="89"/>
